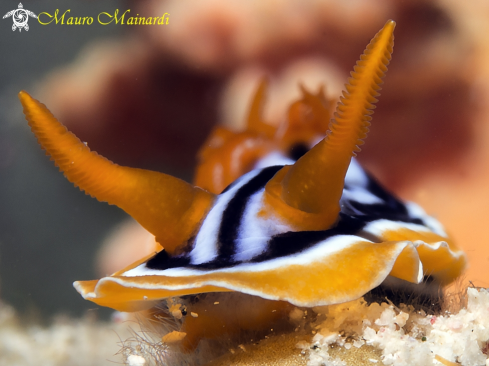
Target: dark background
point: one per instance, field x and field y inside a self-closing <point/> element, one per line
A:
<point x="49" y="231"/>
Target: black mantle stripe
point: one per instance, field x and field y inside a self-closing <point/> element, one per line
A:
<point x="233" y="213"/>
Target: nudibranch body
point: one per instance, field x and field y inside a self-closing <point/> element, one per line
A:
<point x="319" y="231"/>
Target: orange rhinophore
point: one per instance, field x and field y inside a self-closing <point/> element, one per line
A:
<point x="167" y="207"/>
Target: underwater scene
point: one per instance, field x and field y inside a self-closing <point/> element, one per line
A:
<point x="220" y="182"/>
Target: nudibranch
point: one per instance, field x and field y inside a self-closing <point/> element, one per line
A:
<point x="313" y="232"/>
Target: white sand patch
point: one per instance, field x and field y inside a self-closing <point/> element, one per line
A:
<point x="404" y="336"/>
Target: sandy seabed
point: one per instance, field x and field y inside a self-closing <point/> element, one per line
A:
<point x="353" y="333"/>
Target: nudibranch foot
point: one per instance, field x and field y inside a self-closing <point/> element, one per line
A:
<point x="229" y="318"/>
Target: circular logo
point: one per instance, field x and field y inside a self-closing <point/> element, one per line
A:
<point x="20" y="17"/>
